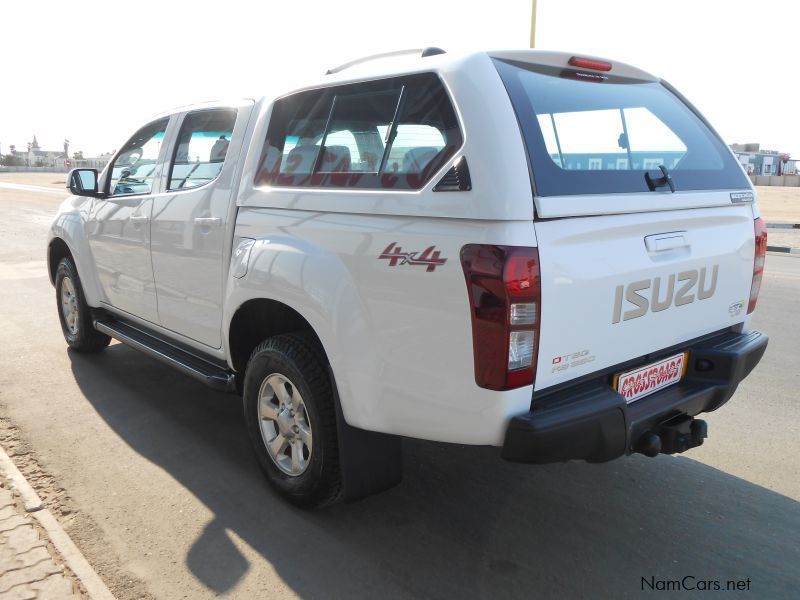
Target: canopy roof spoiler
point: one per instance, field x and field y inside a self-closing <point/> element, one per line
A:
<point x="562" y="60"/>
<point x="422" y="52"/>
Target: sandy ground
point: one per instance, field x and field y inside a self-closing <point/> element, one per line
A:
<point x="784" y="237"/>
<point x="779" y="204"/>
<point x="53" y="180"/>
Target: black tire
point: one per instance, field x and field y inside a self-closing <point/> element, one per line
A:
<point x="81" y="335"/>
<point x="299" y="360"/>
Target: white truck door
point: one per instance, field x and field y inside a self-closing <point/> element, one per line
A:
<point x="190" y="221"/>
<point x="118" y="226"/>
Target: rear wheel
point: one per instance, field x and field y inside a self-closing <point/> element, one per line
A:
<point x="291" y="419"/>
<point x="73" y="312"/>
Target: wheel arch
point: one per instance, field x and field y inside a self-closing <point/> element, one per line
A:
<point x="57" y="249"/>
<point x="258" y="319"/>
<point x="295" y="283"/>
<point x="67" y="238"/>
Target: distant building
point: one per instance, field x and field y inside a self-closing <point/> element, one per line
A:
<point x="34" y="156"/>
<point x="647" y="160"/>
<point x="764" y="162"/>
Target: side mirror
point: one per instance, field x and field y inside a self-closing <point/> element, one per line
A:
<point x="83" y="182"/>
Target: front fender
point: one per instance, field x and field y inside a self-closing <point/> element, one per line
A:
<point x="316" y="284"/>
<point x="69" y="226"/>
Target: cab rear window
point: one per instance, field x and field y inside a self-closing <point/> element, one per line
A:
<point x="589" y="133"/>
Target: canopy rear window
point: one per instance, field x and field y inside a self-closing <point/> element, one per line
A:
<point x="590" y="133"/>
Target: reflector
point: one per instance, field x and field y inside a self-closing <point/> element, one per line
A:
<point x="758" y="262"/>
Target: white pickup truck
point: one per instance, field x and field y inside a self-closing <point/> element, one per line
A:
<point x="552" y="254"/>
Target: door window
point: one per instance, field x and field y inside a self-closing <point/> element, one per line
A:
<point x="134" y="168"/>
<point x="201" y="148"/>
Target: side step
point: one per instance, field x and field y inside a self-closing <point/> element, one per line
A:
<point x="192" y="365"/>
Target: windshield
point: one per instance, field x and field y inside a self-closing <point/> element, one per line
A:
<point x="592" y="134"/>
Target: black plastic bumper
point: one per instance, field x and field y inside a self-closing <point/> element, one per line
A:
<point x="592" y="422"/>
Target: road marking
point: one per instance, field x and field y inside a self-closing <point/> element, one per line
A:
<point x="33" y="188"/>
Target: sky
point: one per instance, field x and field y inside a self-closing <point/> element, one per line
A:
<point x="94" y="71"/>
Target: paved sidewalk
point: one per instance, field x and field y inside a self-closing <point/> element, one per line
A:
<point x="28" y="567"/>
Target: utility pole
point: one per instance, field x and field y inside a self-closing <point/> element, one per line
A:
<point x="533" y="24"/>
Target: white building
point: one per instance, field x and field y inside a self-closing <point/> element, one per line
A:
<point x="763" y="162"/>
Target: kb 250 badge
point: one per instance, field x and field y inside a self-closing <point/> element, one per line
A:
<point x="568" y="361"/>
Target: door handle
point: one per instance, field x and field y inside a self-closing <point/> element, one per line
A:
<point x="661" y="242"/>
<point x="139" y="218"/>
<point x="208" y="221"/>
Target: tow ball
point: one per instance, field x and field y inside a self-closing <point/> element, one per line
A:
<point x="673" y="437"/>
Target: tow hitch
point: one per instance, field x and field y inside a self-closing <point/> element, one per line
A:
<point x="678" y="435"/>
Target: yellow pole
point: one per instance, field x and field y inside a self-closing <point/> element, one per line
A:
<point x="533" y="24"/>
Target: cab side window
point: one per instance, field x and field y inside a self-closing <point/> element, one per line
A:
<point x="201" y="148"/>
<point x="394" y="133"/>
<point x="134" y="168"/>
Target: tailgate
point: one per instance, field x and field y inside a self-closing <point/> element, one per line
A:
<point x="644" y="217"/>
<point x="617" y="287"/>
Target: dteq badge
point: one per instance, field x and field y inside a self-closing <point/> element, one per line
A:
<point x="741" y="197"/>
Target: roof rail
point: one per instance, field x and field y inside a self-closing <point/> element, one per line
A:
<point x="423" y="52"/>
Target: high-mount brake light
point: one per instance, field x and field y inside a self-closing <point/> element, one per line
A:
<point x="504" y="286"/>
<point x="590" y="63"/>
<point x="758" y="262"/>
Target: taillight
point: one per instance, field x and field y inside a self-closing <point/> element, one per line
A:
<point x="590" y="63"/>
<point x="504" y="288"/>
<point x="758" y="262"/>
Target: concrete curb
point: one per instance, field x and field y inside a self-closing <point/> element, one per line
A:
<point x="783" y="225"/>
<point x="783" y="249"/>
<point x="77" y="563"/>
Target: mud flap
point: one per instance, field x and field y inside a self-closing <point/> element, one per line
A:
<point x="370" y="462"/>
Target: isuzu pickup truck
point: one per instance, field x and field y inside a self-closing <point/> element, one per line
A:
<point x="553" y="254"/>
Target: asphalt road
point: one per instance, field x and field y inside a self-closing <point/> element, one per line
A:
<point x="162" y="495"/>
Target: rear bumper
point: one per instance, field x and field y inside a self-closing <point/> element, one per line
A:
<point x="592" y="422"/>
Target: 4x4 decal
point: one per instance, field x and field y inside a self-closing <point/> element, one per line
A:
<point x="430" y="257"/>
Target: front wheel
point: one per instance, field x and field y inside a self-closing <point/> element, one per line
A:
<point x="73" y="312"/>
<point x="291" y="419"/>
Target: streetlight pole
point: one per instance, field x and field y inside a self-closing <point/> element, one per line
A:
<point x="533" y="24"/>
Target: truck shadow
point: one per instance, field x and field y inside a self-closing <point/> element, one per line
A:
<point x="463" y="523"/>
